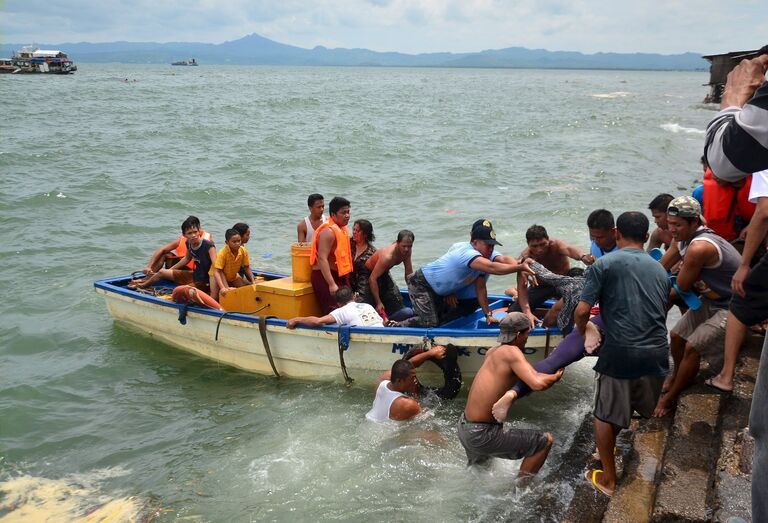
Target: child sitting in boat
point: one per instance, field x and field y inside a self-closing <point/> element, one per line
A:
<point x="198" y="250"/>
<point x="349" y="312"/>
<point x="225" y="272"/>
<point x="170" y="253"/>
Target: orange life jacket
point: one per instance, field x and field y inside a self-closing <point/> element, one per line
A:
<point x="343" y="252"/>
<point x="181" y="250"/>
<point x="722" y="205"/>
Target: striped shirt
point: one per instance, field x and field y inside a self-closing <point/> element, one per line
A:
<point x="737" y="139"/>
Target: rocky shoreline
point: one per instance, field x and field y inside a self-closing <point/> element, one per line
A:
<point x="693" y="466"/>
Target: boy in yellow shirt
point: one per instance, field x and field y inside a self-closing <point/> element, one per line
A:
<point x="225" y="271"/>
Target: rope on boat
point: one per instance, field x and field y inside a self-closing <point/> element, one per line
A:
<point x="218" y="324"/>
<point x="343" y="336"/>
<point x="263" y="331"/>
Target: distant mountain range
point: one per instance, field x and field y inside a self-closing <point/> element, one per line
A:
<point x="257" y="50"/>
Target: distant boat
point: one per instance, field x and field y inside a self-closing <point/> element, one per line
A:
<point x="185" y="62"/>
<point x="30" y="59"/>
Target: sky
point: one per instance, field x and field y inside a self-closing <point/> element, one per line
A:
<point x="409" y="26"/>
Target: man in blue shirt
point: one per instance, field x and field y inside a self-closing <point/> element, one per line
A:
<point x="602" y="235"/>
<point x="633" y="290"/>
<point x="433" y="287"/>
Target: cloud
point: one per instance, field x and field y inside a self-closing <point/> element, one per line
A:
<point x="666" y="26"/>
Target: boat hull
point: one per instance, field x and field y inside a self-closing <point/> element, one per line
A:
<point x="302" y="353"/>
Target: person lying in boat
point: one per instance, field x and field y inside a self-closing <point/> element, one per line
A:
<point x="349" y="312"/>
<point x="226" y="269"/>
<point x="434" y="285"/>
<point x="399" y="390"/>
<point x="331" y="255"/>
<point x="553" y="254"/>
<point x="380" y="290"/>
<point x="170" y="253"/>
<point x="198" y="250"/>
<point x="305" y="230"/>
<point x="480" y="434"/>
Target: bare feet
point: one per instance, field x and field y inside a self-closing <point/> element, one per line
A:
<point x="592" y="338"/>
<point x="501" y="407"/>
<point x="668" y="383"/>
<point x="663" y="407"/>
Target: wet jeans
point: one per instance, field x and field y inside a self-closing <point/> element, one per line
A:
<point x="758" y="428"/>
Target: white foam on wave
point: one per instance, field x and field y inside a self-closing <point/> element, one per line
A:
<point x="28" y="498"/>
<point x="677" y="128"/>
<point x="615" y="94"/>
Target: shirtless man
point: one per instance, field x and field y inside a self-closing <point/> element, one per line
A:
<point x="660" y="237"/>
<point x="307" y="227"/>
<point x="554" y="255"/>
<point x="331" y="255"/>
<point x="481" y="435"/>
<point x="382" y="286"/>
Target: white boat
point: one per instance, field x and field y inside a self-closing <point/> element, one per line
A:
<point x="249" y="342"/>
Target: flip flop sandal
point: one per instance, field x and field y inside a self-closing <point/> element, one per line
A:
<point x="591" y="476"/>
<point x="708" y="382"/>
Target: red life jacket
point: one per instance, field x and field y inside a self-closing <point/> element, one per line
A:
<point x="723" y="204"/>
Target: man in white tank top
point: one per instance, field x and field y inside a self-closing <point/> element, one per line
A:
<point x="391" y="402"/>
<point x="306" y="228"/>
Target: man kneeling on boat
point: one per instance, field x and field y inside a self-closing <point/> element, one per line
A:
<point x="397" y="396"/>
<point x="349" y="312"/>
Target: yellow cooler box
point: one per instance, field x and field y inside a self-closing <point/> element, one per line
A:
<point x="287" y="298"/>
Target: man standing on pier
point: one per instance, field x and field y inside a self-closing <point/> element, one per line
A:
<point x="633" y="290"/>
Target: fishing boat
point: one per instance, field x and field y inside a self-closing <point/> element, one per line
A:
<point x="253" y="335"/>
<point x="185" y="62"/>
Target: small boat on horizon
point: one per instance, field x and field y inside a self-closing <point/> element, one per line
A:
<point x="185" y="62"/>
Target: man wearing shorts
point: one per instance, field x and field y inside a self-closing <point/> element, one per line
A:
<point x="709" y="263"/>
<point x="633" y="290"/>
<point x="480" y="434"/>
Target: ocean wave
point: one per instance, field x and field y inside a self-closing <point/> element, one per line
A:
<point x="677" y="128"/>
<point x="615" y="94"/>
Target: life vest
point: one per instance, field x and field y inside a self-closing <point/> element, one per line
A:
<point x="181" y="250"/>
<point x="343" y="252"/>
<point x="723" y="205"/>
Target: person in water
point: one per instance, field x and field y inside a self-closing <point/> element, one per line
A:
<point x="226" y="270"/>
<point x="551" y="253"/>
<point x="196" y="249"/>
<point x="348" y="312"/>
<point x="399" y="391"/>
<point x="480" y="434"/>
<point x="306" y="228"/>
<point x="383" y="292"/>
<point x="433" y="287"/>
<point x="331" y="255"/>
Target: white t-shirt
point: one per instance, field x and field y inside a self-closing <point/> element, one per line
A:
<point x="759" y="188"/>
<point x="357" y="315"/>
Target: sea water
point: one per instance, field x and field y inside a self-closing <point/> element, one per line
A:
<point x="99" y="168"/>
